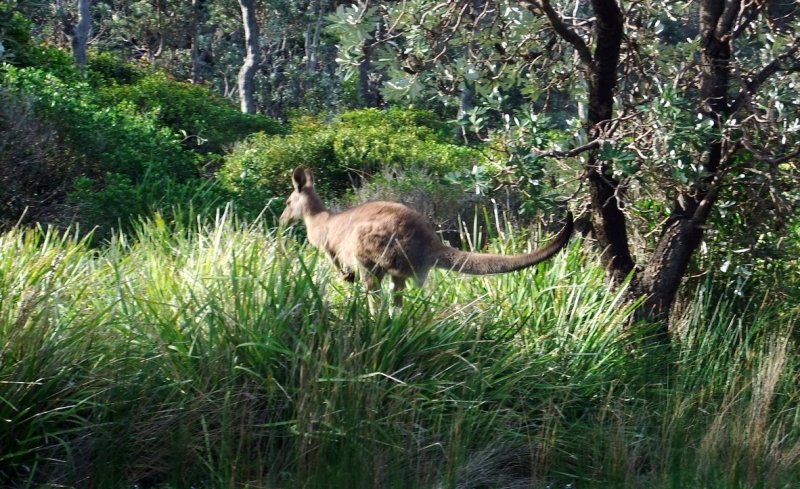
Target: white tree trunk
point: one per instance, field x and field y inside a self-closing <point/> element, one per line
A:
<point x="312" y="42"/>
<point x="250" y="65"/>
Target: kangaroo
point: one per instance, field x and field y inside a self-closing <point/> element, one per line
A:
<point x="380" y="238"/>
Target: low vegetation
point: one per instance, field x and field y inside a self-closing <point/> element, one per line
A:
<point x="157" y="331"/>
<point x="225" y="355"/>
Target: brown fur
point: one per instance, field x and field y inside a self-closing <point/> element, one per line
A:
<point x="380" y="238"/>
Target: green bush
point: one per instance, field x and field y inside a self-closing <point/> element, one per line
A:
<point x="370" y="140"/>
<point x="120" y="152"/>
<point x="371" y="148"/>
<point x="260" y="167"/>
<point x="112" y="138"/>
<point x="423" y="123"/>
<point x="107" y="69"/>
<point x="207" y="122"/>
<point x="15" y="35"/>
<point x="358" y="144"/>
<point x="55" y="61"/>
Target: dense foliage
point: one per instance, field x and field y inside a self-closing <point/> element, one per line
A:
<point x="227" y="355"/>
<point x="343" y="153"/>
<point x="156" y="330"/>
<point x="131" y="142"/>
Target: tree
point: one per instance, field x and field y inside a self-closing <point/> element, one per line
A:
<point x="199" y="56"/>
<point x="250" y="65"/>
<point x="79" y="32"/>
<point x="666" y="105"/>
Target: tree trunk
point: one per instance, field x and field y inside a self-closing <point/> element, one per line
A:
<point x="683" y="231"/>
<point x="608" y="220"/>
<point x="250" y="65"/>
<point x="312" y="40"/>
<point x="369" y="88"/>
<point x="197" y="76"/>
<point x="464" y="106"/>
<point x="659" y="281"/>
<point x="79" y="34"/>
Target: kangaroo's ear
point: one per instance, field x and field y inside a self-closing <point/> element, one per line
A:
<point x="299" y="178"/>
<point x="309" y="177"/>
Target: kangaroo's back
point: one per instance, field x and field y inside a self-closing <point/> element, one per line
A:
<point x="384" y="235"/>
<point x="379" y="238"/>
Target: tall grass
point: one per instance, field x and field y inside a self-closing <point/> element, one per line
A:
<point x="222" y="355"/>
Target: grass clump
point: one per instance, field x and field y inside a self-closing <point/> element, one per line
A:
<point x="224" y="355"/>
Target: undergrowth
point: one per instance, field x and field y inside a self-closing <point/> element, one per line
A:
<point x="224" y="355"/>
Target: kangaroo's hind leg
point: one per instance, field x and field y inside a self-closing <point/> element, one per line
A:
<point x="371" y="278"/>
<point x="399" y="285"/>
<point x="347" y="273"/>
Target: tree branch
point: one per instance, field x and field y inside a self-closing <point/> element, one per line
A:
<point x="762" y="156"/>
<point x="572" y="152"/>
<point x="762" y="76"/>
<point x="728" y="17"/>
<point x="701" y="213"/>
<point x="749" y="12"/>
<point x="536" y="7"/>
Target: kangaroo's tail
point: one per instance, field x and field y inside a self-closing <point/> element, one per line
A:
<point x="487" y="264"/>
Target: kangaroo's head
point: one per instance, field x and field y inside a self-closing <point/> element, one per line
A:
<point x="303" y="200"/>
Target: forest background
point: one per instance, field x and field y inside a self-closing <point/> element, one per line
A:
<point x="157" y="330"/>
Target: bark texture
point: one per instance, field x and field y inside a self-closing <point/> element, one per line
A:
<point x="683" y="231"/>
<point x="197" y="63"/>
<point x="80" y="32"/>
<point x="369" y="80"/>
<point x="250" y="65"/>
<point x="608" y="219"/>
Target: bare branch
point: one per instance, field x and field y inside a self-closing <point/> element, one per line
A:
<point x="536" y="7"/>
<point x="749" y="12"/>
<point x="701" y="213"/>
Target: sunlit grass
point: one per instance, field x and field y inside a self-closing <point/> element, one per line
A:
<point x="223" y="355"/>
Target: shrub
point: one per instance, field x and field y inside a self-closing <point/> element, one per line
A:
<point x="119" y="150"/>
<point x="368" y="149"/>
<point x="207" y="122"/>
<point x="107" y="69"/>
<point x="425" y="124"/>
<point x="358" y="144"/>
<point x="55" y="61"/>
<point x="370" y="140"/>
<point x="112" y="138"/>
<point x="15" y="35"/>
<point x="35" y="171"/>
<point x="260" y="167"/>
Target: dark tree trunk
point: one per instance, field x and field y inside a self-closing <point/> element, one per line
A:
<point x="659" y="280"/>
<point x="250" y="65"/>
<point x="197" y="64"/>
<point x="79" y="33"/>
<point x="608" y="220"/>
<point x="366" y="88"/>
<point x="369" y="81"/>
<point x="683" y="232"/>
